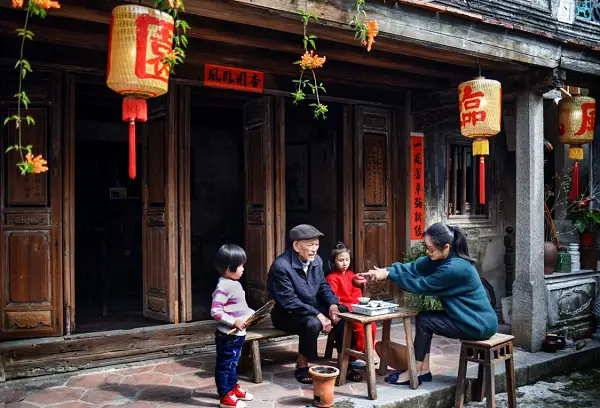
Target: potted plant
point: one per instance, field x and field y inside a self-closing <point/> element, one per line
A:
<point x="555" y="203"/>
<point x="586" y="219"/>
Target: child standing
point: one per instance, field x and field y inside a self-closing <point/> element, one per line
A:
<point x="340" y="279"/>
<point x="230" y="309"/>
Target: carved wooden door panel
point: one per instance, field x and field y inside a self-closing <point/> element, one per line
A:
<point x="31" y="220"/>
<point x="159" y="223"/>
<point x="259" y="218"/>
<point x="373" y="128"/>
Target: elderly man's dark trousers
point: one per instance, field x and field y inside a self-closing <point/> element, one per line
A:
<point x="308" y="329"/>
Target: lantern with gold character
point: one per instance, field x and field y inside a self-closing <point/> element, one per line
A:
<point x="480" y="109"/>
<point x="141" y="38"/>
<point x="576" y="117"/>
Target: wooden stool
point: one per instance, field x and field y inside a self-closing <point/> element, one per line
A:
<point x="330" y="346"/>
<point x="486" y="353"/>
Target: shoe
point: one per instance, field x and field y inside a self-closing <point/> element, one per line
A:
<point x="358" y="364"/>
<point x="242" y="394"/>
<point x="231" y="401"/>
<point x="426" y="377"/>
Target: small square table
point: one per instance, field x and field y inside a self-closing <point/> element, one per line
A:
<point x="369" y="354"/>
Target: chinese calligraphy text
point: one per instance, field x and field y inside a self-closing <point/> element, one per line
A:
<point x="233" y="78"/>
<point x="417" y="186"/>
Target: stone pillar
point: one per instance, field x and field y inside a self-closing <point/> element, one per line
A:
<point x="529" y="289"/>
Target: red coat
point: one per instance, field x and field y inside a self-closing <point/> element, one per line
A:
<point x="341" y="284"/>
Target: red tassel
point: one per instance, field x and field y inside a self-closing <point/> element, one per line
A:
<point x="482" y="180"/>
<point x="574" y="193"/>
<point x="132" y="164"/>
<point x="135" y="109"/>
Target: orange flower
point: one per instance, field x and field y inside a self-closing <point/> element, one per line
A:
<point x="17" y="3"/>
<point x="372" y="31"/>
<point x="310" y="61"/>
<point x="47" y="4"/>
<point x="174" y="3"/>
<point x="37" y="163"/>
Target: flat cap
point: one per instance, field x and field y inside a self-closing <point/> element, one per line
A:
<point x="304" y="231"/>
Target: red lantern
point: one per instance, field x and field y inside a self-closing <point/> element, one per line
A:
<point x="480" y="109"/>
<point x="576" y="117"/>
<point x="140" y="40"/>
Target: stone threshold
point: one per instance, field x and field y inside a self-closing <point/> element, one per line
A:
<point x="529" y="368"/>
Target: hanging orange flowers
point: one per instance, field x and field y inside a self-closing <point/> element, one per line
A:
<point x="311" y="61"/>
<point x="47" y="4"/>
<point x="364" y="32"/>
<point x="17" y="3"/>
<point x="37" y="164"/>
<point x="372" y="31"/>
<point x="174" y="4"/>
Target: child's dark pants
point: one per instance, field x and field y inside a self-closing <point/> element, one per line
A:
<point x="229" y="349"/>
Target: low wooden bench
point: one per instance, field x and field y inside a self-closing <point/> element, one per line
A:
<point x="251" y="354"/>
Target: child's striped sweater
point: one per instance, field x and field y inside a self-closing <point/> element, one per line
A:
<point x="229" y="304"/>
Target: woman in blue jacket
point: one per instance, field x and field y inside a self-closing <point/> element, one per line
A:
<point x="447" y="272"/>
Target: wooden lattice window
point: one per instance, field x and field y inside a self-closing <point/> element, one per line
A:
<point x="588" y="10"/>
<point x="463" y="182"/>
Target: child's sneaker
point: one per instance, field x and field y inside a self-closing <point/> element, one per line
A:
<point x="242" y="394"/>
<point x="231" y="401"/>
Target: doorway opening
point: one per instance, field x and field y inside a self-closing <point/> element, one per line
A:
<point x="314" y="173"/>
<point x="217" y="184"/>
<point x="108" y="216"/>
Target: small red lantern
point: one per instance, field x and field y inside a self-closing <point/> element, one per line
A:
<point x="480" y="109"/>
<point x="140" y="40"/>
<point x="576" y="117"/>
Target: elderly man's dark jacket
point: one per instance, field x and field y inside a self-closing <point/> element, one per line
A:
<point x="296" y="292"/>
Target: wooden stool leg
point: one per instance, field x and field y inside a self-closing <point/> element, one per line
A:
<point x="412" y="364"/>
<point x="369" y="351"/>
<point x="480" y="383"/>
<point x="459" y="399"/>
<point x="329" y="347"/>
<point x="343" y="356"/>
<point x="256" y="367"/>
<point x="490" y="379"/>
<point x="385" y="341"/>
<point x="510" y="379"/>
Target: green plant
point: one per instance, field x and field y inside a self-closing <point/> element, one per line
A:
<point x="583" y="216"/>
<point x="420" y="302"/>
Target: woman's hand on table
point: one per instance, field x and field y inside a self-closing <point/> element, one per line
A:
<point x="377" y="274"/>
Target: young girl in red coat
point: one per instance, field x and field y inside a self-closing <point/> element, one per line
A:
<point x="342" y="282"/>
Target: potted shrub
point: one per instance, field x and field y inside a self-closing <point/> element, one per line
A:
<point x="586" y="219"/>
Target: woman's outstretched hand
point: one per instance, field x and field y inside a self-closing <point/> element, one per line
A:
<point x="376" y="274"/>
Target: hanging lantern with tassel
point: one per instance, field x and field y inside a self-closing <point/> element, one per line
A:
<point x="576" y="117"/>
<point x="140" y="40"/>
<point x="480" y="109"/>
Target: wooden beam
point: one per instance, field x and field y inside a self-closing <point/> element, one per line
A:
<point x="287" y="21"/>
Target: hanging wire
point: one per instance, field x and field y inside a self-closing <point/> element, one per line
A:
<point x="478" y="67"/>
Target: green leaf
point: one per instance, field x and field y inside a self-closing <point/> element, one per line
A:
<point x="30" y="121"/>
<point x="312" y="43"/>
<point x="313" y="37"/>
<point x="9" y="149"/>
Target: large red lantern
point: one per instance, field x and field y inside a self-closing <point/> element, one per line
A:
<point x="140" y="40"/>
<point x="576" y="117"/>
<point x="480" y="109"/>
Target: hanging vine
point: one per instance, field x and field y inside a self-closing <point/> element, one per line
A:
<point x="309" y="62"/>
<point x="365" y="32"/>
<point x="180" y="40"/>
<point x="30" y="163"/>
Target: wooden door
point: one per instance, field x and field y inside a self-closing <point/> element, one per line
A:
<point x="260" y="206"/>
<point x="31" y="218"/>
<point x="159" y="220"/>
<point x="373" y="186"/>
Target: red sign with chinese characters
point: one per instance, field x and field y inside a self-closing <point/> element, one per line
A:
<point x="233" y="78"/>
<point x="417" y="186"/>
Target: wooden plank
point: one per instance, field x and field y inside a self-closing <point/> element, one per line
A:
<point x="410" y="351"/>
<point x="348" y="176"/>
<point x="256" y="367"/>
<point x="343" y="357"/>
<point x="184" y="214"/>
<point x="69" y="204"/>
<point x="385" y="343"/>
<point x="279" y="174"/>
<point x="434" y="31"/>
<point x="370" y="358"/>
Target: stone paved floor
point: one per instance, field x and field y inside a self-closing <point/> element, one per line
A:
<point x="190" y="381"/>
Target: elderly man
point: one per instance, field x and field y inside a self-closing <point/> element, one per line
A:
<point x="304" y="302"/>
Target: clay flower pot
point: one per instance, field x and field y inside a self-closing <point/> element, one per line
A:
<point x="323" y="383"/>
<point x="550" y="253"/>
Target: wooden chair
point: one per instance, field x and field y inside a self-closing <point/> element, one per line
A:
<point x="487" y="353"/>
